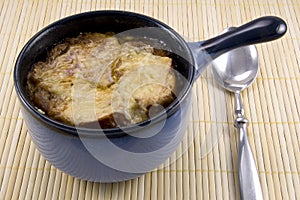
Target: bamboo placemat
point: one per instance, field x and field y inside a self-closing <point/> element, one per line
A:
<point x="206" y="164"/>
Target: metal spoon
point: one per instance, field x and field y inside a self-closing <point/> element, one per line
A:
<point x="235" y="71"/>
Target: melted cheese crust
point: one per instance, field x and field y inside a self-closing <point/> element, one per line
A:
<point x="94" y="77"/>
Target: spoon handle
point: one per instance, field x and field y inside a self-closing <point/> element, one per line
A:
<point x="249" y="181"/>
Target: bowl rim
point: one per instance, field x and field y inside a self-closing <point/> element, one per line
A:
<point x="110" y="132"/>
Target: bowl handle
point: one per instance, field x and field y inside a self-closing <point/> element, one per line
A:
<point x="260" y="30"/>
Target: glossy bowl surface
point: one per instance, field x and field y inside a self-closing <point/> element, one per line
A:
<point x="107" y="155"/>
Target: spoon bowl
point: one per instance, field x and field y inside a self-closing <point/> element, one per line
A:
<point x="236" y="69"/>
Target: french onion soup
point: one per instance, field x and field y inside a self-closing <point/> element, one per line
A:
<point x="98" y="77"/>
